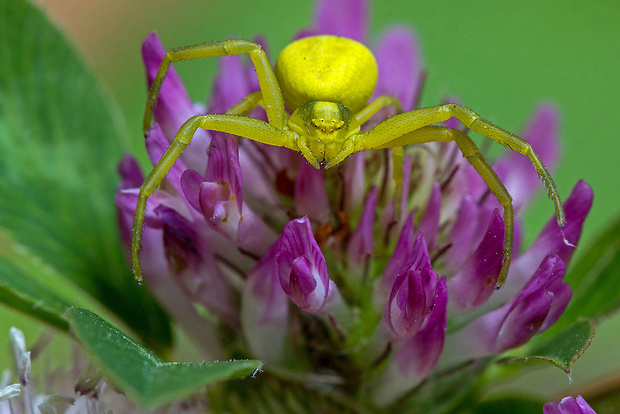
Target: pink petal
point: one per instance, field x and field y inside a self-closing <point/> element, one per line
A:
<point x="429" y="224"/>
<point x="301" y="266"/>
<point x="193" y="266"/>
<point x="345" y="18"/>
<point x="224" y="165"/>
<point x="264" y="309"/>
<point x="462" y="233"/>
<point x="310" y="196"/>
<point x="361" y="243"/>
<point x="418" y="356"/>
<point x="400" y="72"/>
<point x="475" y="283"/>
<point x="231" y="85"/>
<point x="400" y="256"/>
<point x="131" y="175"/>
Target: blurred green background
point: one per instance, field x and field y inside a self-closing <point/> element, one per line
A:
<point x="500" y="58"/>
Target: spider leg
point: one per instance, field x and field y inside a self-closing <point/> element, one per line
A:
<point x="247" y="104"/>
<point x="390" y="130"/>
<point x="470" y="152"/>
<point x="243" y="126"/>
<point x="272" y="95"/>
<point x="376" y="105"/>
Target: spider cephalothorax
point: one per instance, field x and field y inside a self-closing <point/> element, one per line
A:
<point x="326" y="82"/>
<point x="326" y="131"/>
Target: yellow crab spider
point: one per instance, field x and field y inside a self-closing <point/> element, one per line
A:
<point x="326" y="82"/>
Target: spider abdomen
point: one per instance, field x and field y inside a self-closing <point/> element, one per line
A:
<point x="326" y="68"/>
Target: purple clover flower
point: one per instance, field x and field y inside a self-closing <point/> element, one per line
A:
<point x="297" y="247"/>
<point x="301" y="267"/>
<point x="568" y="405"/>
<point x="413" y="289"/>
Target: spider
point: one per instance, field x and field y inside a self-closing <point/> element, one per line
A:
<point x="326" y="82"/>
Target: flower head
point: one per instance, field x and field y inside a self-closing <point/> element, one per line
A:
<point x="333" y="277"/>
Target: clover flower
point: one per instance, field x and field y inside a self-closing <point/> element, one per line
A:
<point x="325" y="275"/>
<point x="568" y="405"/>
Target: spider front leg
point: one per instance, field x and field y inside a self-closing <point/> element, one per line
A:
<point x="472" y="154"/>
<point x="251" y="128"/>
<point x="270" y="88"/>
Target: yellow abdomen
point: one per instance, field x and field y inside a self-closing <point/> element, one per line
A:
<point x="326" y="68"/>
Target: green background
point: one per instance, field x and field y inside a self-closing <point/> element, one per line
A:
<point x="500" y="58"/>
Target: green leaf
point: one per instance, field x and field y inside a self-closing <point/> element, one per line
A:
<point x="561" y="349"/>
<point x="25" y="304"/>
<point x="24" y="292"/>
<point x="595" y="279"/>
<point x="60" y="141"/>
<point x="143" y="376"/>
